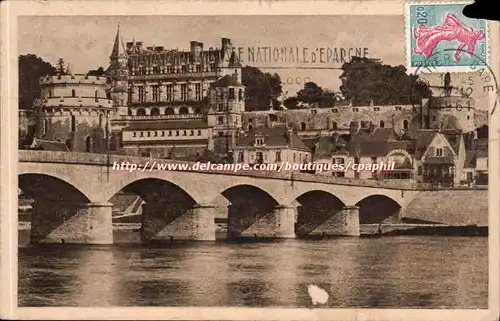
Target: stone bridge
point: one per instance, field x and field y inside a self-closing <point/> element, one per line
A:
<point x="72" y="193"/>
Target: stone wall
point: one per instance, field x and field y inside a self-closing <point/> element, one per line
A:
<point x="453" y="207"/>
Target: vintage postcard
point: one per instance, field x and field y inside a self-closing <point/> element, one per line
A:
<point x="285" y="160"/>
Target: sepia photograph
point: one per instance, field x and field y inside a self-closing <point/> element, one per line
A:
<point x="252" y="160"/>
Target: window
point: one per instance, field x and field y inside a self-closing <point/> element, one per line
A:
<point x="220" y="107"/>
<point x="469" y="176"/>
<point x="130" y="94"/>
<point x="88" y="144"/>
<point x="176" y="133"/>
<point x="199" y="132"/>
<point x="169" y="111"/>
<point x="73" y="123"/>
<point x="184" y="68"/>
<point x="231" y="93"/>
<point x="198" y="68"/>
<point x="141" y="94"/>
<point x="303" y="126"/>
<point x="197" y="90"/>
<point x="73" y="93"/>
<point x="220" y="120"/>
<point x="419" y="170"/>
<point x="382" y="124"/>
<point x="397" y="107"/>
<point x="129" y="112"/>
<point x="260" y="157"/>
<point x="141" y="112"/>
<point x="141" y="134"/>
<point x="95" y="96"/>
<point x="162" y="133"/>
<point x="240" y="95"/>
<point x="156" y="93"/>
<point x="45" y="126"/>
<point x="100" y="120"/>
<point x="170" y="92"/>
<point x="259" y="141"/>
<point x="184" y="92"/>
<point x="50" y="93"/>
<point x="183" y="111"/>
<point x="169" y="133"/>
<point x="191" y="133"/>
<point x="355" y="109"/>
<point x="433" y="118"/>
<point x="376" y="108"/>
<point x="439" y="152"/>
<point x="334" y="126"/>
<point x="155" y="111"/>
<point x="149" y="134"/>
<point x="294" y="157"/>
<point x="405" y="124"/>
<point x="278" y="156"/>
<point x="241" y="157"/>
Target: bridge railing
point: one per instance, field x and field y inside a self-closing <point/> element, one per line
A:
<point x="30" y="156"/>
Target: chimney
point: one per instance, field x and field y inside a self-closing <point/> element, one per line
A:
<point x="289" y="133"/>
<point x="353" y="128"/>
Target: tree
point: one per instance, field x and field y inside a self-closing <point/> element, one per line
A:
<point x="365" y="79"/>
<point x="260" y="88"/>
<point x="314" y="94"/>
<point x="31" y="69"/>
<point x="97" y="72"/>
<point x="61" y="66"/>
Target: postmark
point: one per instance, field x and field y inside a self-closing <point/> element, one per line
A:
<point x="441" y="28"/>
<point x="467" y="95"/>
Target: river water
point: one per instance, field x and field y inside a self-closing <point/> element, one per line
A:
<point x="387" y="272"/>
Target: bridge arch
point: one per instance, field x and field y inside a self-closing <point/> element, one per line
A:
<point x="50" y="187"/>
<point x="315" y="208"/>
<point x="377" y="208"/>
<point x="135" y="179"/>
<point x="249" y="205"/>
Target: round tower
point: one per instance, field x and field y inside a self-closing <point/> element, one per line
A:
<point x="74" y="109"/>
<point x="449" y="110"/>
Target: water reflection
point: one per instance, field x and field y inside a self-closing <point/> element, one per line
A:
<point x="384" y="272"/>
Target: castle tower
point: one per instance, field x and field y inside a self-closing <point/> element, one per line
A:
<point x="230" y="62"/>
<point x="119" y="73"/>
<point x="74" y="109"/>
<point x="227" y="104"/>
<point x="448" y="109"/>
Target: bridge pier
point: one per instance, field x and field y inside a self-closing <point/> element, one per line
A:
<point x="343" y="223"/>
<point x="167" y="223"/>
<point x="71" y="223"/>
<point x="245" y="223"/>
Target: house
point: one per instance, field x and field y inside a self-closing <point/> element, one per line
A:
<point x="380" y="146"/>
<point x="271" y="145"/>
<point x="330" y="150"/>
<point x="440" y="158"/>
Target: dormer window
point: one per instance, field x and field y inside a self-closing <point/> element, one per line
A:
<point x="259" y="141"/>
<point x="439" y="152"/>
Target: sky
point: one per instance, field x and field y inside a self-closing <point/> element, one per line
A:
<point x="85" y="42"/>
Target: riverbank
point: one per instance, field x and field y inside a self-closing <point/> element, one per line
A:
<point x="130" y="232"/>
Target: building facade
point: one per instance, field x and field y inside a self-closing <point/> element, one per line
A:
<point x="163" y="98"/>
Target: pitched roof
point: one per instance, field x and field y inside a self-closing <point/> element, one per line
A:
<point x="166" y="125"/>
<point x="328" y="146"/>
<point x="227" y="81"/>
<point x="274" y="136"/>
<point x="118" y="47"/>
<point x="423" y="140"/>
<point x="234" y="61"/>
<point x="454" y="141"/>
<point x="376" y="148"/>
<point x="49" y="145"/>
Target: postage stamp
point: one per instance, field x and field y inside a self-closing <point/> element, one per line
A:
<point x="440" y="27"/>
